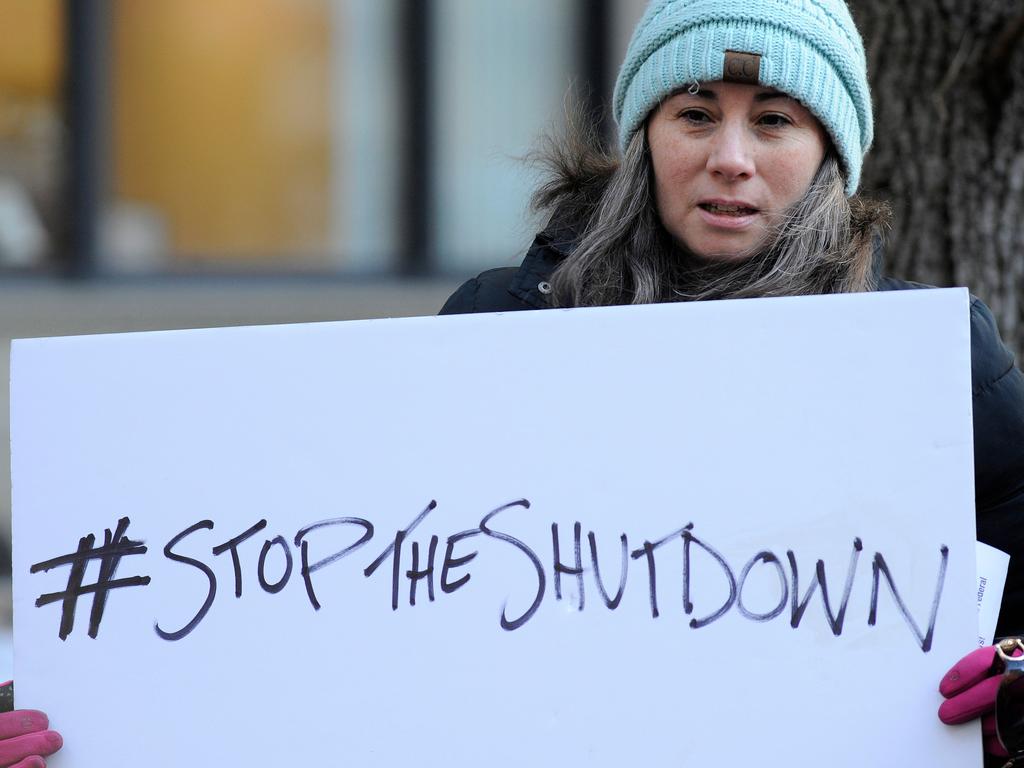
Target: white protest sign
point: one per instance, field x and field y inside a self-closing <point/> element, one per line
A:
<point x="763" y="513"/>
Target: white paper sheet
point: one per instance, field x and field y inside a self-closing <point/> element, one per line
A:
<point x="992" y="567"/>
<point x="779" y="433"/>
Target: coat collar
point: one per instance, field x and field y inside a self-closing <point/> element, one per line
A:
<point x="531" y="283"/>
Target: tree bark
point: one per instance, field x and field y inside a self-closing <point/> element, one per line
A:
<point x="947" y="81"/>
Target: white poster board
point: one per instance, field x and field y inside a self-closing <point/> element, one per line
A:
<point x="734" y="451"/>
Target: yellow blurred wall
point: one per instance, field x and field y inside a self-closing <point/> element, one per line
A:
<point x="221" y="122"/>
<point x="30" y="54"/>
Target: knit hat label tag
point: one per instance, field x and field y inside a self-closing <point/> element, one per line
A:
<point x="742" y="67"/>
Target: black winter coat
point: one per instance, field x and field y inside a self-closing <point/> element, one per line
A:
<point x="998" y="389"/>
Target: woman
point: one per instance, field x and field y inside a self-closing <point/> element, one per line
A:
<point x="743" y="125"/>
<point x="742" y="128"/>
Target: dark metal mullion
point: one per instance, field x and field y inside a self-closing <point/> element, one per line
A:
<point x="594" y="49"/>
<point x="415" y="22"/>
<point x="86" y="84"/>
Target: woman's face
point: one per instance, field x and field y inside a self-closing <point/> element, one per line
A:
<point x="728" y="161"/>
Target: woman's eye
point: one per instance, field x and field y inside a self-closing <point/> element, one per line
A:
<point x="695" y="116"/>
<point x="774" y="121"/>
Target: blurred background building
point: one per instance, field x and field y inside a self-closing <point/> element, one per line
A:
<point x="370" y="138"/>
<point x="182" y="163"/>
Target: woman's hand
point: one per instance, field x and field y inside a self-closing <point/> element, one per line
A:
<point x="25" y="739"/>
<point x="969" y="688"/>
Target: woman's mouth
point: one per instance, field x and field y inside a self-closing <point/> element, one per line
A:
<point x="727" y="215"/>
<point x="728" y="210"/>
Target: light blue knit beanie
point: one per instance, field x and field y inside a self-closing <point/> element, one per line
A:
<point x="809" y="49"/>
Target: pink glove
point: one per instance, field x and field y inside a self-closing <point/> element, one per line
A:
<point x="25" y="740"/>
<point x="969" y="688"/>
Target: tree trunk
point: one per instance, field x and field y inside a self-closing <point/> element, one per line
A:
<point x="947" y="80"/>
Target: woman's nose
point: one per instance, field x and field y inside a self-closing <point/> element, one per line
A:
<point x="732" y="153"/>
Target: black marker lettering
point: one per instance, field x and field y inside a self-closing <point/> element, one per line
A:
<point x="652" y="579"/>
<point x="414" y="574"/>
<point x="612" y="603"/>
<point x="115" y="546"/>
<point x="560" y="568"/>
<point x="369" y="570"/>
<point x="396" y="568"/>
<point x="647" y="550"/>
<point x="210" y="575"/>
<point x="879" y="566"/>
<point x="487" y="531"/>
<point x="456" y="562"/>
<point x="307" y="569"/>
<point x="797" y="611"/>
<point x="394" y="550"/>
<point x="232" y="544"/>
<point x="763" y="557"/>
<point x="689" y="538"/>
<point x="261" y="572"/>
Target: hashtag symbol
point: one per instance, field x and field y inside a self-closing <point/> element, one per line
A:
<point x="115" y="546"/>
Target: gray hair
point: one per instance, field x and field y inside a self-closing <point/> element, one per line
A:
<point x="623" y="255"/>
